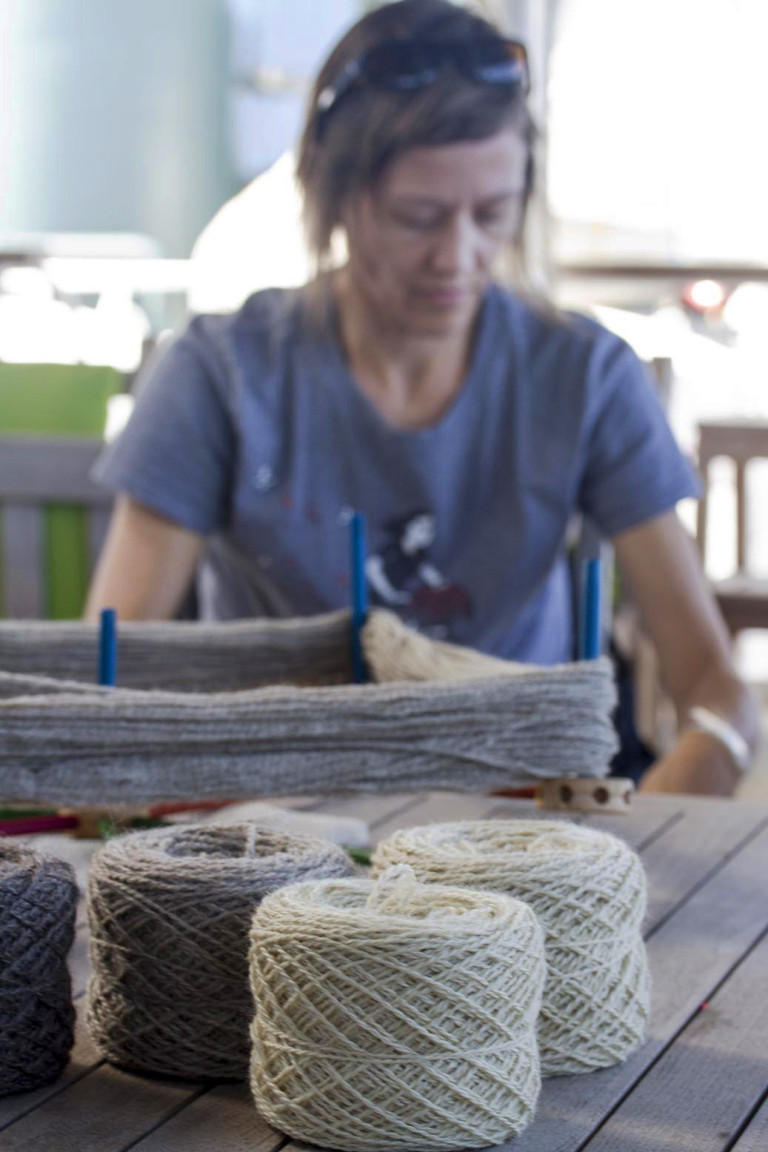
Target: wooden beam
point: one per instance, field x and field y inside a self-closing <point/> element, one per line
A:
<point x="23" y="561"/>
<point x="33" y="469"/>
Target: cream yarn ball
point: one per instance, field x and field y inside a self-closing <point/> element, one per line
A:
<point x="588" y="890"/>
<point x="395" y="1015"/>
<point x="169" y="913"/>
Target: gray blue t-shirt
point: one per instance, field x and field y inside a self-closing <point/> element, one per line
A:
<point x="251" y="431"/>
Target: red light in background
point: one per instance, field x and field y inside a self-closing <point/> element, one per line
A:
<point x="705" y="295"/>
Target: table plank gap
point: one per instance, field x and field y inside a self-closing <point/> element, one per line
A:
<point x="168" y="1117"/>
<point x="222" y="1118"/>
<point x="754" y="1135"/>
<point x="690" y="956"/>
<point x="526" y="810"/>
<point x="666" y="863"/>
<point x="372" y="808"/>
<point x="84" y="1059"/>
<point x="706" y="1084"/>
<point x="432" y="808"/>
<point x="640" y="831"/>
<point x="100" y="1112"/>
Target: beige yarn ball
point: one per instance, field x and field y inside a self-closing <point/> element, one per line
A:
<point x="395" y="1015"/>
<point x="169" y="913"/>
<point x="588" y="890"/>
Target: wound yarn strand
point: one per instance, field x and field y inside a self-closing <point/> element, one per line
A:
<point x="169" y="912"/>
<point x="38" y="897"/>
<point x="438" y="716"/>
<point x="588" y="890"/>
<point x="395" y="1015"/>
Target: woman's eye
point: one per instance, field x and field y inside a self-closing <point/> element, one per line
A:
<point x="491" y="219"/>
<point x="418" y="223"/>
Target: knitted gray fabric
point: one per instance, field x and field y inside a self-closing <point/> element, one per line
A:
<point x="38" y="895"/>
<point x="74" y="743"/>
<point x="169" y="913"/>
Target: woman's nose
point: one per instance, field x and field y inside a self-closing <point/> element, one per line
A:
<point x="455" y="248"/>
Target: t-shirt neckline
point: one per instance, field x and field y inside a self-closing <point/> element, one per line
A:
<point x="344" y="380"/>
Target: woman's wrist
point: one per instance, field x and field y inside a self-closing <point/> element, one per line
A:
<point x="697" y="763"/>
<point x="701" y="719"/>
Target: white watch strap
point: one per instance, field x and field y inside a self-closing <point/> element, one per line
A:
<point x="732" y="740"/>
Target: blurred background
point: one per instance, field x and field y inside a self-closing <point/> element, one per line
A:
<point x="146" y="174"/>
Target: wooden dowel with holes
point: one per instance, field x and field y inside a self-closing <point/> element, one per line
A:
<point x="613" y="794"/>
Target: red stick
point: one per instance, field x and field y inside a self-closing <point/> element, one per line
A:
<point x="159" y="810"/>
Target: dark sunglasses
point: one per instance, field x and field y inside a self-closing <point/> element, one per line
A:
<point x="408" y="65"/>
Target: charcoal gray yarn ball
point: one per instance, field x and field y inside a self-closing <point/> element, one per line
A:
<point x="38" y="895"/>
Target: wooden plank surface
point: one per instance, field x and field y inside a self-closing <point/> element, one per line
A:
<point x="98" y="526"/>
<point x="700" y="1069"/>
<point x="706" y="1084"/>
<point x="22" y="554"/>
<point x="104" y="1111"/>
<point x="755" y="1135"/>
<point x="221" y="1120"/>
<point x="83" y="1059"/>
<point x="692" y="951"/>
<point x="39" y="469"/>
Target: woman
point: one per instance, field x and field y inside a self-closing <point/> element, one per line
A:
<point x="467" y="424"/>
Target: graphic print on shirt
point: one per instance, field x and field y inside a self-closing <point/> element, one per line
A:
<point x="401" y="576"/>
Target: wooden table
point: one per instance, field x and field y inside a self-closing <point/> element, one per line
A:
<point x="699" y="1084"/>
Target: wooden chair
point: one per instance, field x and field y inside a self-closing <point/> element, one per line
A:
<point x="35" y="473"/>
<point x="743" y="598"/>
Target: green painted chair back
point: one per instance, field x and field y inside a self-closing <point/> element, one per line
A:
<point x="52" y="419"/>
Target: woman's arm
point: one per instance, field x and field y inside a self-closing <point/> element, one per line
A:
<point x="145" y="567"/>
<point x="659" y="563"/>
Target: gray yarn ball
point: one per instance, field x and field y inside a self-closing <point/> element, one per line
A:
<point x="169" y="913"/>
<point x="38" y="895"/>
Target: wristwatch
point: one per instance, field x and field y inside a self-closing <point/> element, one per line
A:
<point x="703" y="720"/>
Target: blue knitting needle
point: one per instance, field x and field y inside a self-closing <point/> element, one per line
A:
<point x="108" y="648"/>
<point x="591" y="638"/>
<point x="359" y="595"/>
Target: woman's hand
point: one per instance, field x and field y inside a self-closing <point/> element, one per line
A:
<point x="664" y="577"/>
<point x="145" y="567"/>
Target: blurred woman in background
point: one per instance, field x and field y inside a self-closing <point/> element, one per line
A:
<point x="468" y="423"/>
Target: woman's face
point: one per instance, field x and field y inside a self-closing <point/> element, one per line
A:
<point x="422" y="244"/>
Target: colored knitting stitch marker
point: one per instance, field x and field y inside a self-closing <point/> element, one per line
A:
<point x="591" y="621"/>
<point x="359" y="595"/>
<point x="108" y="648"/>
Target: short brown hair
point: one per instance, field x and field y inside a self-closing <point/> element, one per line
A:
<point x="366" y="131"/>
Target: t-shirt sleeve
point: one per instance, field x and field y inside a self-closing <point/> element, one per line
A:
<point x="633" y="468"/>
<point x="176" y="454"/>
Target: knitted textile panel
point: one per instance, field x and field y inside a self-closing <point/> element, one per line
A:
<point x="395" y="1015"/>
<point x="169" y="912"/>
<point x="474" y="724"/>
<point x="588" y="890"/>
<point x="38" y="895"/>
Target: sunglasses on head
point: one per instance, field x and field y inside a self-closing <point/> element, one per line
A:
<point x="409" y="65"/>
